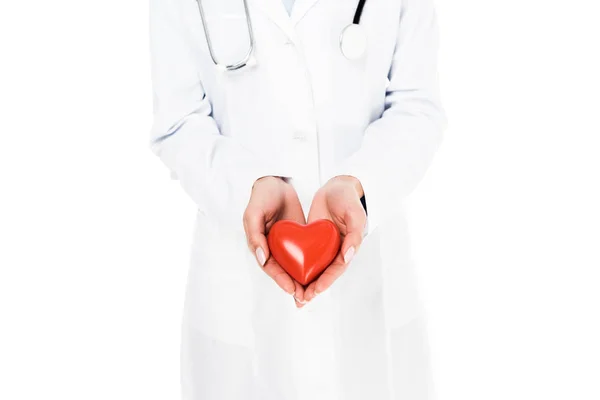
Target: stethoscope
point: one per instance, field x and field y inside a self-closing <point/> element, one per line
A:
<point x="353" y="39"/>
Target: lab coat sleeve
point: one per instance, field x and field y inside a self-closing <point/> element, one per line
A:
<point x="398" y="148"/>
<point x="216" y="171"/>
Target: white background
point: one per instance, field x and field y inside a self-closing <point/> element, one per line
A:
<point x="94" y="236"/>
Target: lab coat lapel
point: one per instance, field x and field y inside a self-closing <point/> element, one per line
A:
<point x="301" y="7"/>
<point x="276" y="12"/>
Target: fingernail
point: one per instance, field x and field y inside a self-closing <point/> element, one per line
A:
<point x="260" y="256"/>
<point x="349" y="255"/>
<point x="301" y="302"/>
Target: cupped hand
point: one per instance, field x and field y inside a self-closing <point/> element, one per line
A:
<point x="338" y="201"/>
<point x="272" y="199"/>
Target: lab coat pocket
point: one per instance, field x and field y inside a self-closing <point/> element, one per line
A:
<point x="227" y="31"/>
<point x="224" y="27"/>
<point x="401" y="292"/>
<point x="382" y="278"/>
<point x="219" y="285"/>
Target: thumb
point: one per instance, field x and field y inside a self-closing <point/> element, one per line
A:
<point x="355" y="224"/>
<point x="350" y="246"/>
<point x="261" y="249"/>
<point x="254" y="225"/>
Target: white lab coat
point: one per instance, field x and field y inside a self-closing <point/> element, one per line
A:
<point x="305" y="112"/>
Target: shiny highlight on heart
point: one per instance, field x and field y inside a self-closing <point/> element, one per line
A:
<point x="304" y="251"/>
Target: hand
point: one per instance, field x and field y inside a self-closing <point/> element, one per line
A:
<point x="272" y="199"/>
<point x="339" y="202"/>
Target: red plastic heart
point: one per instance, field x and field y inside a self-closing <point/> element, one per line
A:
<point x="304" y="251"/>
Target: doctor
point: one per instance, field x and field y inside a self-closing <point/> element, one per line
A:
<point x="262" y="114"/>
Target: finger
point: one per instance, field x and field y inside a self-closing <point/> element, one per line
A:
<point x="293" y="211"/>
<point x="298" y="304"/>
<point x="299" y="295"/>
<point x="309" y="292"/>
<point x="350" y="246"/>
<point x="327" y="278"/>
<point x="318" y="210"/>
<point x="254" y="226"/>
<point x="281" y="278"/>
<point x="355" y="221"/>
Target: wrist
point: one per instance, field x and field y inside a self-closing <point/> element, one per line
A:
<point x="272" y="184"/>
<point x="352" y="182"/>
<point x="270" y="179"/>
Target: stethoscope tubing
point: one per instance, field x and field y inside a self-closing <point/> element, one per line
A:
<point x="240" y="64"/>
<point x="244" y="61"/>
<point x="359" y="11"/>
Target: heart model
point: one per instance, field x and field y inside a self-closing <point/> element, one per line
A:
<point x="304" y="251"/>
